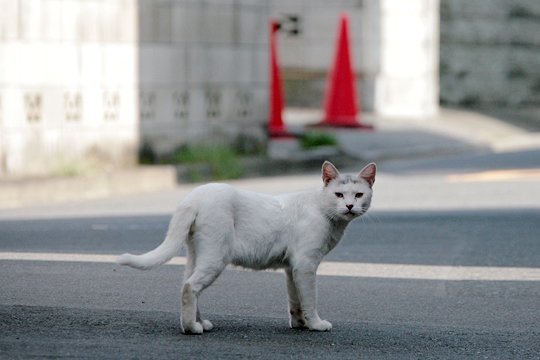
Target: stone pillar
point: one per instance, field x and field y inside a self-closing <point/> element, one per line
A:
<point x="407" y="83"/>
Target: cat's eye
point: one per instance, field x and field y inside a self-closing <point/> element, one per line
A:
<point x="339" y="195"/>
<point x="359" y="195"/>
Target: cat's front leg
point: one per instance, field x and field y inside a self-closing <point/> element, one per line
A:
<point x="304" y="279"/>
<point x="296" y="315"/>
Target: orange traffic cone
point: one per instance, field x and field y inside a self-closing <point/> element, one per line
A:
<point x="341" y="104"/>
<point x="276" y="127"/>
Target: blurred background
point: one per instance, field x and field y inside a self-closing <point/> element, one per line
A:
<point x="92" y="83"/>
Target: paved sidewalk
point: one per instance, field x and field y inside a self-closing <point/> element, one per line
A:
<point x="450" y="132"/>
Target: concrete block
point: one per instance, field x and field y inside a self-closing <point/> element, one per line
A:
<point x="164" y="19"/>
<point x="292" y="54"/>
<point x="321" y="23"/>
<point x="92" y="108"/>
<point x="252" y="26"/>
<point x="198" y="64"/>
<point x="13" y="110"/>
<point x="71" y="17"/>
<point x="157" y="64"/>
<point x="9" y="20"/>
<point x="222" y="64"/>
<point x="179" y="58"/>
<point x="26" y="64"/>
<point x="60" y="64"/>
<point x="197" y="111"/>
<point x="219" y="24"/>
<point x="119" y="64"/>
<point x="155" y="20"/>
<point x="318" y="56"/>
<point x="92" y="63"/>
<point x="30" y="19"/>
<point x="260" y="95"/>
<point x="261" y="63"/>
<point x="52" y="20"/>
<point x="90" y="29"/>
<point x="244" y="59"/>
<point x="185" y="22"/>
<point x="52" y="112"/>
<point x="110" y="21"/>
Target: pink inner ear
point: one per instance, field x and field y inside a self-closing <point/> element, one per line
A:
<point x="368" y="174"/>
<point x="329" y="173"/>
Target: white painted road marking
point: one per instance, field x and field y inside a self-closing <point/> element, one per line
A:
<point x="332" y="268"/>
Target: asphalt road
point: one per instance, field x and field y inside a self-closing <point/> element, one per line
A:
<point x="81" y="309"/>
<point x="102" y="310"/>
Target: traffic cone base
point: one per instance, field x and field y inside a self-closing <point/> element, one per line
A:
<point x="343" y="123"/>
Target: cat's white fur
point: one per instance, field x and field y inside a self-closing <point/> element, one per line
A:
<point x="222" y="225"/>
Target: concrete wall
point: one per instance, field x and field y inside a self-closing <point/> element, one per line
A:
<point x="88" y="81"/>
<point x="490" y="52"/>
<point x="203" y="71"/>
<point x="67" y="84"/>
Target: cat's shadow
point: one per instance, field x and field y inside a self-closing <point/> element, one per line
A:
<point x="233" y="328"/>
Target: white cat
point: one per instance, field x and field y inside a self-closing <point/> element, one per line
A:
<point x="222" y="225"/>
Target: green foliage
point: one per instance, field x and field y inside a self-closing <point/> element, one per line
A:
<point x="70" y="169"/>
<point x="221" y="161"/>
<point x="312" y="140"/>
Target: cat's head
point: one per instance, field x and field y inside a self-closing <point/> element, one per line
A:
<point x="348" y="196"/>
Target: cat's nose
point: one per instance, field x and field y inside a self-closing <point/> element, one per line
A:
<point x="350" y="206"/>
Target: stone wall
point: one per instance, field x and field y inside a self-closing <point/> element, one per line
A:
<point x="490" y="52"/>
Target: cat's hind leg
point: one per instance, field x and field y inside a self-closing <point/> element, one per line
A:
<point x="189" y="268"/>
<point x="296" y="315"/>
<point x="202" y="277"/>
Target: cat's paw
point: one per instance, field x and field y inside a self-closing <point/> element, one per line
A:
<point x="207" y="325"/>
<point x="321" y="325"/>
<point x="298" y="323"/>
<point x="194" y="329"/>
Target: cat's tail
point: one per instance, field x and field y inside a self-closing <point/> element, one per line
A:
<point x="179" y="228"/>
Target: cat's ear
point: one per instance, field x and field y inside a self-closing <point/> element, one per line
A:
<point x="329" y="172"/>
<point x="368" y="173"/>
